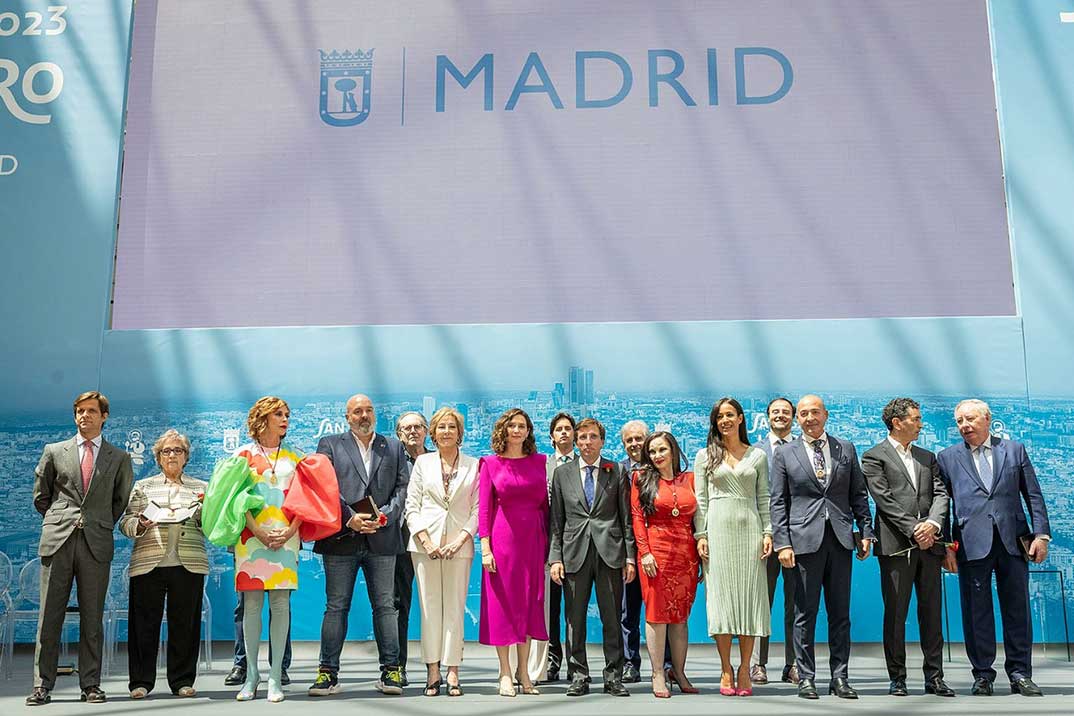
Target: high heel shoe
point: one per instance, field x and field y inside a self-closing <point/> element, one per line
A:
<point x="665" y="694"/>
<point x="727" y="685"/>
<point x="507" y="686"/>
<point x="248" y="692"/>
<point x="275" y="691"/>
<point x="748" y="690"/>
<point x="530" y="690"/>
<point x="673" y="679"/>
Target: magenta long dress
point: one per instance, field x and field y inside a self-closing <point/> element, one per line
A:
<point x="513" y="514"/>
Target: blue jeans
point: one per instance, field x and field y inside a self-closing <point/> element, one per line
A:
<point x="240" y="643"/>
<point x="340" y="574"/>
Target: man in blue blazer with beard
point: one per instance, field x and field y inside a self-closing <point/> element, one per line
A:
<point x="989" y="478"/>
<point x="367" y="464"/>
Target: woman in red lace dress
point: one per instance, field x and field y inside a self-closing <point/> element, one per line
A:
<point x="663" y="506"/>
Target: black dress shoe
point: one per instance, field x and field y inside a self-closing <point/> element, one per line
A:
<point x="235" y="677"/>
<point x="93" y="695"/>
<point x="553" y="676"/>
<point x="1025" y="687"/>
<point x="790" y="674"/>
<point x="631" y="674"/>
<point x="981" y="687"/>
<point x="38" y="697"/>
<point x="938" y="687"/>
<point x="841" y="687"/>
<point x="615" y="688"/>
<point x="285" y="680"/>
<point x="898" y="687"/>
<point x="578" y="687"/>
<point x="806" y="689"/>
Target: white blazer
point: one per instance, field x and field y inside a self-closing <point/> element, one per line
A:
<point x="442" y="516"/>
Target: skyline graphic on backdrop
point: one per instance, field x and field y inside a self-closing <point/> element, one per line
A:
<point x="216" y="429"/>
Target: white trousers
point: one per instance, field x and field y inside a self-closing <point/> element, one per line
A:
<point x="538" y="661"/>
<point x="442" y="588"/>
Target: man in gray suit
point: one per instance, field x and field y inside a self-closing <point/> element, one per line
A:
<point x="81" y="488"/>
<point x="780" y="414"/>
<point x="911" y="510"/>
<point x="817" y="494"/>
<point x="592" y="545"/>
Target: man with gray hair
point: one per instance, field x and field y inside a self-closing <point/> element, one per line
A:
<point x="633" y="436"/>
<point x="989" y="478"/>
<point x="411" y="428"/>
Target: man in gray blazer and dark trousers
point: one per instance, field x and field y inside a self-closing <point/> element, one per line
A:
<point x="81" y="488"/>
<point x="911" y="511"/>
<point x="367" y="464"/>
<point x="592" y="545"/>
<point x="817" y="494"/>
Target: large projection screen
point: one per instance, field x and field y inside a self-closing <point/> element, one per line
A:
<point x="341" y="163"/>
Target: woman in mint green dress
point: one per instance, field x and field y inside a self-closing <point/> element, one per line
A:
<point x="734" y="533"/>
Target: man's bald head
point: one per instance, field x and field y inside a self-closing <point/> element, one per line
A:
<point x="812" y="415"/>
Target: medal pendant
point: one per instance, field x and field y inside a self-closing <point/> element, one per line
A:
<point x="675" y="512"/>
<point x="271" y="475"/>
<point x="820" y="474"/>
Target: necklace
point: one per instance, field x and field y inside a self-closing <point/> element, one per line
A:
<point x="448" y="476"/>
<point x="270" y="474"/>
<point x="674" y="496"/>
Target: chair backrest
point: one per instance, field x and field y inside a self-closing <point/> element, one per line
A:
<point x="119" y="588"/>
<point x="30" y="584"/>
<point x="7" y="573"/>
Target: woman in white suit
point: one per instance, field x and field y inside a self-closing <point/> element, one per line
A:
<point x="441" y="512"/>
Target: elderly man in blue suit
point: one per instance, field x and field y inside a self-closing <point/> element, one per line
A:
<point x="818" y="493"/>
<point x="988" y="479"/>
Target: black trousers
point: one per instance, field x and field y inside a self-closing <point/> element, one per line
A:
<point x="632" y="622"/>
<point x="827" y="569"/>
<point x="404" y="595"/>
<point x="577" y="587"/>
<point x="775" y="569"/>
<point x="556" y="647"/>
<point x="899" y="577"/>
<point x="183" y="592"/>
<point x="979" y="621"/>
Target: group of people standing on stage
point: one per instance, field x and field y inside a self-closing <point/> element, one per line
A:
<point x="643" y="532"/>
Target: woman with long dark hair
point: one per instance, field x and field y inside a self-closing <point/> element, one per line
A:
<point x="663" y="506"/>
<point x="731" y="482"/>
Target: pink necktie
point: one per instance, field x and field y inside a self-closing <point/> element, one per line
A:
<point x="87" y="465"/>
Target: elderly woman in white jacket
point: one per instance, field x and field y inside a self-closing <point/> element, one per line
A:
<point x="441" y="512"/>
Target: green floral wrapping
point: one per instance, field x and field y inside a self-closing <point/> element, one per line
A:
<point x="228" y="498"/>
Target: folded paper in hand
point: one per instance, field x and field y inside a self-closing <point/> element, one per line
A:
<point x="167" y="515"/>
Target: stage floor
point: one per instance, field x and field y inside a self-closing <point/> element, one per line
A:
<point x="478" y="672"/>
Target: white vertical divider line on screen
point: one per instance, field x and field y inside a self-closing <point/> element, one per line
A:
<point x="402" y="94"/>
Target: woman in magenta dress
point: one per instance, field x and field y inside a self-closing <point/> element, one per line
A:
<point x="513" y="523"/>
<point x="663" y="506"/>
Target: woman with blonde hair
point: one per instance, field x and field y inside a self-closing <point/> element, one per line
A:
<point x="441" y="512"/>
<point x="265" y="500"/>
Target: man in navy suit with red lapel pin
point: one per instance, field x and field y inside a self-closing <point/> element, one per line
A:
<point x="989" y="478"/>
<point x="592" y="547"/>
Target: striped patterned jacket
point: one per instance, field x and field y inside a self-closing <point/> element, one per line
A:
<point x="150" y="544"/>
